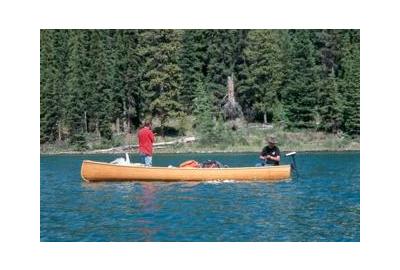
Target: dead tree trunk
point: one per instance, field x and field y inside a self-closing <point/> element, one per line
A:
<point x="231" y="91"/>
<point x="97" y="128"/>
<point x="232" y="109"/>
<point x="126" y="118"/>
<point x="117" y="126"/>
<point x="59" y="131"/>
<point x="85" y="121"/>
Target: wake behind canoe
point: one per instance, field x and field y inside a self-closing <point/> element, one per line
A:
<point x="93" y="171"/>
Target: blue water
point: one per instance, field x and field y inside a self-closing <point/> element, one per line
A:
<point x="323" y="204"/>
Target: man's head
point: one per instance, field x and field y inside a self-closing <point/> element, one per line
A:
<point x="147" y="123"/>
<point x="271" y="141"/>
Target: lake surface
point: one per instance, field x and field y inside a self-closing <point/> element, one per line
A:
<point x="323" y="204"/>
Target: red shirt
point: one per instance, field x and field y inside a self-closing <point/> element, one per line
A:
<point x="145" y="139"/>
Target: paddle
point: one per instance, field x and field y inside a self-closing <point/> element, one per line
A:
<point x="293" y="165"/>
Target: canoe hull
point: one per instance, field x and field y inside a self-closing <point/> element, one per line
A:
<point x="92" y="171"/>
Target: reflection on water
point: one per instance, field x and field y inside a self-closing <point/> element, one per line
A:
<point x="322" y="205"/>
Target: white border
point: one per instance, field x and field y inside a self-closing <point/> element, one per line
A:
<point x="20" y="191"/>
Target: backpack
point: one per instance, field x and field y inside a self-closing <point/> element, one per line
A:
<point x="211" y="164"/>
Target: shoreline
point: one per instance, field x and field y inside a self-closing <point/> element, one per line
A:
<point x="251" y="142"/>
<point x="190" y="152"/>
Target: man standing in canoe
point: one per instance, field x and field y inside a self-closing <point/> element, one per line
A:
<point x="270" y="154"/>
<point x="146" y="140"/>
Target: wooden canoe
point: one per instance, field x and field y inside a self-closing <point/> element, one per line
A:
<point x="92" y="171"/>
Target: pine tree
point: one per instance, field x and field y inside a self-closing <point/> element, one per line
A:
<point x="244" y="82"/>
<point x="162" y="77"/>
<point x="48" y="94"/>
<point x="350" y="85"/>
<point x="61" y="59"/>
<point x="111" y="76"/>
<point x="100" y="89"/>
<point x="91" y="89"/>
<point x="53" y="70"/>
<point x="330" y="109"/>
<point x="192" y="64"/>
<point x="264" y="55"/>
<point x="219" y="62"/>
<point x="326" y="44"/>
<point x="203" y="113"/>
<point x="133" y="78"/>
<point x="127" y="90"/>
<point x="76" y="84"/>
<point x="300" y="93"/>
<point x="120" y="55"/>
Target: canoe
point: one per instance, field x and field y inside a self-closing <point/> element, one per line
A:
<point x="92" y="171"/>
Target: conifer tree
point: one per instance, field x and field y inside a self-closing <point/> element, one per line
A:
<point x="220" y="61"/>
<point x="162" y="77"/>
<point x="54" y="53"/>
<point x="264" y="55"/>
<point x="326" y="44"/>
<point x="244" y="83"/>
<point x="133" y="78"/>
<point x="100" y="85"/>
<point x="76" y="84"/>
<point x="350" y="86"/>
<point x="203" y="112"/>
<point x="49" y="96"/>
<point x="300" y="93"/>
<point x="119" y="100"/>
<point x="330" y="109"/>
<point x="193" y="65"/>
<point x="61" y="62"/>
<point x="111" y="75"/>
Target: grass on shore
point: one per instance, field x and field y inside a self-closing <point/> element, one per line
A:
<point x="245" y="139"/>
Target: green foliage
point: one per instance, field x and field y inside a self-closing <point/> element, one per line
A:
<point x="204" y="121"/>
<point x="220" y="52"/>
<point x="99" y="96"/>
<point x="77" y="85"/>
<point x="350" y="86"/>
<point x="53" y="65"/>
<point x="91" y="80"/>
<point x="183" y="123"/>
<point x="192" y="64"/>
<point x="162" y="74"/>
<point x="330" y="109"/>
<point x="223" y="57"/>
<point x="300" y="95"/>
<point x="265" y="58"/>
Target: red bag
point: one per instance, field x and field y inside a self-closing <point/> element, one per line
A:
<point x="189" y="164"/>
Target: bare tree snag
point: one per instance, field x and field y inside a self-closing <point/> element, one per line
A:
<point x="231" y="108"/>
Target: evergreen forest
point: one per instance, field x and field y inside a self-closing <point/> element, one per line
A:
<point x="106" y="82"/>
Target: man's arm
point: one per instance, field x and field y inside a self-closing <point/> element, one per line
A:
<point x="263" y="154"/>
<point x="277" y="158"/>
<point x="152" y="137"/>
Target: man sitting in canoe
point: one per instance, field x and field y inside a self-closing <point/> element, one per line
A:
<point x="270" y="154"/>
<point x="146" y="140"/>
